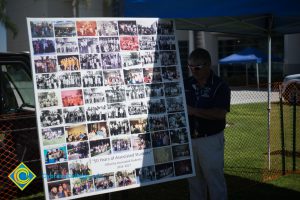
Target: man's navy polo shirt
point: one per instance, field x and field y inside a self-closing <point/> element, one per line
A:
<point x="214" y="94"/>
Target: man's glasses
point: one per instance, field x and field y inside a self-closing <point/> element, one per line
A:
<point x="195" y="67"/>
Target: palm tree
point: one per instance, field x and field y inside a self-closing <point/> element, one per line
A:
<point x="5" y="20"/>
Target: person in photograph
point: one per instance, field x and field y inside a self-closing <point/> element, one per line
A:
<point x="208" y="101"/>
<point x="53" y="193"/>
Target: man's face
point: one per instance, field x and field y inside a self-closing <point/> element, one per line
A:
<point x="197" y="69"/>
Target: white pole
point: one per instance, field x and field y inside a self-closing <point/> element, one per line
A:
<point x="257" y="76"/>
<point x="247" y="82"/>
<point x="269" y="98"/>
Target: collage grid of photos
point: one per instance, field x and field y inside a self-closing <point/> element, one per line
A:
<point x="106" y="87"/>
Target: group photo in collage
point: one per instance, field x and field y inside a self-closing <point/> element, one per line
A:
<point x="108" y="87"/>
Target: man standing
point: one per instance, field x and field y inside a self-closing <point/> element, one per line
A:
<point x="208" y="101"/>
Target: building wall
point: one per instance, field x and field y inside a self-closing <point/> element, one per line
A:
<point x="291" y="54"/>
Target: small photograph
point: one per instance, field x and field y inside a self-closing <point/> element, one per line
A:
<point x="59" y="189"/>
<point x="57" y="171"/>
<point x="115" y="94"/>
<point x="45" y="64"/>
<point x="158" y="122"/>
<point x="148" y="43"/>
<point x="79" y="168"/>
<point x="90" y="61"/>
<point x="107" y="28"/>
<point x="43" y="46"/>
<point x="113" y="77"/>
<point x="137" y="108"/>
<point x="64" y="29"/>
<point x="127" y="27"/>
<point x="181" y="152"/>
<point x="147" y="27"/>
<point x="72" y="98"/>
<point x="160" y="138"/>
<point x="111" y="61"/>
<point x="92" y="78"/>
<point x="48" y="99"/>
<point x="131" y="59"/>
<point x="109" y="44"/>
<point x="152" y="75"/>
<point x="138" y="125"/>
<point x="162" y="155"/>
<point x="129" y="43"/>
<point x="135" y="92"/>
<point x="68" y="63"/>
<point x="121" y="144"/>
<point x="154" y="90"/>
<point x="175" y="104"/>
<point x="170" y="74"/>
<point x="164" y="171"/>
<point x="69" y="79"/>
<point x="94" y="95"/>
<point x="167" y="42"/>
<point x="172" y="89"/>
<point x="177" y="120"/>
<point x="179" y="136"/>
<point x="120" y="127"/>
<point x="145" y="174"/>
<point x="96" y="113"/>
<point x="82" y="185"/>
<point x="88" y="45"/>
<point x="165" y="27"/>
<point x="41" y="29"/>
<point x="167" y="58"/>
<point x="141" y="141"/>
<point x="51" y="117"/>
<point x="104" y="181"/>
<point x="117" y="110"/>
<point x="149" y="58"/>
<point x="53" y="136"/>
<point x="98" y="131"/>
<point x="47" y="81"/>
<point x="76" y="133"/>
<point x="133" y="76"/>
<point x="55" y="154"/>
<point x="86" y="28"/>
<point x="100" y="147"/>
<point x="78" y="150"/>
<point x="183" y="167"/>
<point x="156" y="106"/>
<point x="66" y="45"/>
<point x="74" y="115"/>
<point x="125" y="178"/>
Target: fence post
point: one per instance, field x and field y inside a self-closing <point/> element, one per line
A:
<point x="282" y="131"/>
<point x="294" y="130"/>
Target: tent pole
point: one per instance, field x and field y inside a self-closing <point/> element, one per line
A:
<point x="257" y="76"/>
<point x="269" y="98"/>
<point x="247" y="82"/>
<point x="219" y="73"/>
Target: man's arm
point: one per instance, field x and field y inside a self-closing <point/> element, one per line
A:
<point x="211" y="113"/>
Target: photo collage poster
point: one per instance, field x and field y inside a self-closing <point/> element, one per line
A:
<point x="110" y="104"/>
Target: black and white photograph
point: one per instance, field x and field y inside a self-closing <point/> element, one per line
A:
<point x="57" y="171"/>
<point x="129" y="43"/>
<point x="51" y="117"/>
<point x="109" y="44"/>
<point x="179" y="136"/>
<point x="148" y="43"/>
<point x="141" y="141"/>
<point x="59" y="189"/>
<point x="167" y="58"/>
<point x="165" y="27"/>
<point x="170" y="74"/>
<point x="162" y="155"/>
<point x="127" y="27"/>
<point x="72" y="97"/>
<point x="43" y="46"/>
<point x="88" y="45"/>
<point x="49" y="99"/>
<point x="115" y="94"/>
<point x="90" y="61"/>
<point x="172" y="89"/>
<point x="76" y="133"/>
<point x="66" y="45"/>
<point x="145" y="174"/>
<point x="137" y="108"/>
<point x="107" y="28"/>
<point x="98" y="131"/>
<point x="138" y="125"/>
<point x="100" y="147"/>
<point x="92" y="78"/>
<point x="68" y="62"/>
<point x="78" y="150"/>
<point x="125" y="178"/>
<point x="131" y="59"/>
<point x="104" y="181"/>
<point x="156" y="106"/>
<point x="152" y="75"/>
<point x="86" y="28"/>
<point x="175" y="104"/>
<point x="148" y="27"/>
<point x="45" y="64"/>
<point x="160" y="138"/>
<point x="181" y="152"/>
<point x="93" y="95"/>
<point x="158" y="122"/>
<point x="167" y="42"/>
<point x="183" y="167"/>
<point x="55" y="135"/>
<point x="82" y="185"/>
<point x="96" y="113"/>
<point x="74" y="115"/>
<point x="64" y="29"/>
<point x="111" y="61"/>
<point x="47" y="81"/>
<point x="135" y="92"/>
<point x="119" y="127"/>
<point x="79" y="168"/>
<point x="133" y="76"/>
<point x="149" y="58"/>
<point x="154" y="90"/>
<point x="116" y="110"/>
<point x="164" y="171"/>
<point x="121" y="144"/>
<point x="113" y="77"/>
<point x="69" y="79"/>
<point x="56" y="154"/>
<point x="177" y="120"/>
<point x="41" y="29"/>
